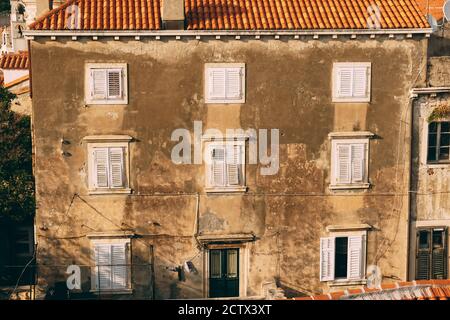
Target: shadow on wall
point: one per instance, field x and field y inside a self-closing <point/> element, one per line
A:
<point x="439" y="44"/>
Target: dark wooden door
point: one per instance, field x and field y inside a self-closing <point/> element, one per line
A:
<point x="223" y="273"/>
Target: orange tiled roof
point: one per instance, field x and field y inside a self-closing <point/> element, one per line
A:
<point x="233" y="15"/>
<point x="14" y="60"/>
<point x="413" y="290"/>
<point x="433" y="7"/>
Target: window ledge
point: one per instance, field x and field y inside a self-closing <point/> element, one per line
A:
<point x="112" y="291"/>
<point x="438" y="165"/>
<point x="349" y="186"/>
<point x="110" y="191"/>
<point x="106" y="102"/>
<point x="346" y="282"/>
<point x="351" y="100"/>
<point x="226" y="189"/>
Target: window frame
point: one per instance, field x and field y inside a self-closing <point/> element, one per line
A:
<point x="363" y="257"/>
<point x="209" y="188"/>
<point x="429" y="251"/>
<point x="94" y="142"/>
<point x="224" y="100"/>
<point x="110" y="241"/>
<point x="335" y="80"/>
<point x="89" y="99"/>
<point x="438" y="145"/>
<point x="353" y="138"/>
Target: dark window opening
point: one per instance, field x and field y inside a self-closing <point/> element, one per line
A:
<point x="340" y="267"/>
<point x="439" y="142"/>
<point x="224" y="273"/>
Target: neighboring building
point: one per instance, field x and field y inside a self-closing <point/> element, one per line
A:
<point x="430" y="195"/>
<point x="109" y="92"/>
<point x="23" y="13"/>
<point x="16" y="78"/>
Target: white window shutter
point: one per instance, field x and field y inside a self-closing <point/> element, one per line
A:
<point x="233" y="164"/>
<point x="100" y="174"/>
<point x="116" y="167"/>
<point x="360" y="77"/>
<point x="217" y="83"/>
<point x="344" y="82"/>
<point x="115" y="84"/>
<point x="217" y="166"/>
<point x="358" y="162"/>
<point x="119" y="267"/>
<point x="233" y="83"/>
<point x="98" y="84"/>
<point x="355" y="257"/>
<point x="343" y="163"/>
<point x="103" y="266"/>
<point x="327" y="253"/>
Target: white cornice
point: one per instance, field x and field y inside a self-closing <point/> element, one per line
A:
<point x="315" y="34"/>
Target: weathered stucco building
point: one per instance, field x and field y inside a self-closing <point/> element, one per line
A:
<point x="430" y="201"/>
<point x="111" y="86"/>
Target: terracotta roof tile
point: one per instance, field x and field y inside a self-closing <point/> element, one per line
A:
<point x="433" y="7"/>
<point x="232" y="15"/>
<point x="14" y="60"/>
<point x="415" y="290"/>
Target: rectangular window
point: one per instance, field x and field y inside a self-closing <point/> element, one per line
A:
<point x="108" y="164"/>
<point x="431" y="254"/>
<point x="225" y="166"/>
<point x="342" y="257"/>
<point x="106" y="83"/>
<point x="439" y="142"/>
<point x="349" y="167"/>
<point x="351" y="82"/>
<point x="111" y="266"/>
<point x="225" y="83"/>
<point x="224" y="273"/>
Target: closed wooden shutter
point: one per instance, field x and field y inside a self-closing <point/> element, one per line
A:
<point x="343" y="163"/>
<point x="217" y="170"/>
<point x="355" y="257"/>
<point x="119" y="267"/>
<point x="360" y="75"/>
<point x="423" y="256"/>
<point x="233" y="83"/>
<point x="103" y="266"/>
<point x="345" y="82"/>
<point x="327" y="253"/>
<point x="358" y="162"/>
<point x="98" y="84"/>
<point x="116" y="167"/>
<point x="233" y="164"/>
<point x="439" y="254"/>
<point x="101" y="167"/>
<point x="114" y="84"/>
<point x="217" y="83"/>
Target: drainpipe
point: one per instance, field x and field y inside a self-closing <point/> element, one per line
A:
<point x="409" y="238"/>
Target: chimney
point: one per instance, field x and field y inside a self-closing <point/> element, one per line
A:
<point x="173" y="14"/>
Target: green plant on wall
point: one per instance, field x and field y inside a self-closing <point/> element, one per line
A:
<point x="16" y="175"/>
<point x="440" y="112"/>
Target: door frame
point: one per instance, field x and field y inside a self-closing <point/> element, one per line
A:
<point x="243" y="267"/>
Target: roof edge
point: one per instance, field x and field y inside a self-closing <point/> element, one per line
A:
<point x="168" y="33"/>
